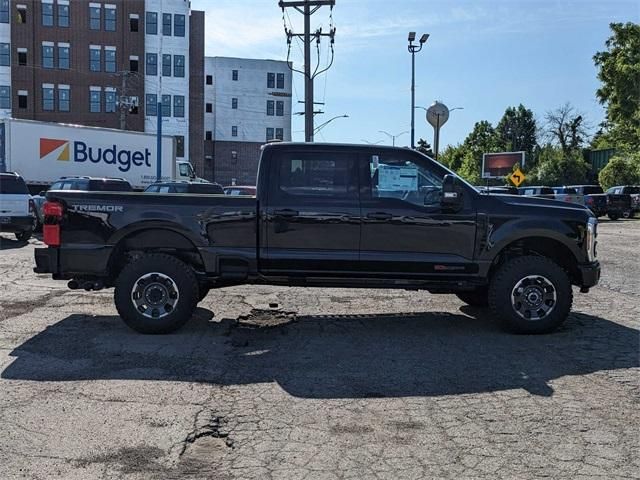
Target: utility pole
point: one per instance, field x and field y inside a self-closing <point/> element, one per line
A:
<point x="307" y="8"/>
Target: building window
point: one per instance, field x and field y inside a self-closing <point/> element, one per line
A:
<point x="95" y="59"/>
<point x="95" y="14"/>
<point x="4" y="11"/>
<point x="281" y="80"/>
<point x="178" y="65"/>
<point x="133" y="22"/>
<point x="152" y="23"/>
<point x="179" y="146"/>
<point x="234" y="103"/>
<point x="5" y="54"/>
<point x="209" y="80"/>
<point x="22" y="99"/>
<point x="152" y="64"/>
<point x="109" y="59"/>
<point x="179" y="21"/>
<point x="5" y="97"/>
<point x="280" y="133"/>
<point x="208" y="135"/>
<point x="271" y="80"/>
<point x="234" y="131"/>
<point x="95" y="101"/>
<point x="280" y="108"/>
<point x="63" y="14"/>
<point x="270" y="107"/>
<point x="151" y="107"/>
<point x="47" y="56"/>
<point x="134" y="63"/>
<point x="178" y="106"/>
<point x="166" y="65"/>
<point x="47" y="14"/>
<point x="22" y="17"/>
<point x="208" y="107"/>
<point x="133" y="107"/>
<point x="234" y="75"/>
<point x="166" y="24"/>
<point x="269" y="134"/>
<point x="63" y="57"/>
<point x="47" y="98"/>
<point x="110" y="101"/>
<point x="166" y="105"/>
<point x="22" y="56"/>
<point x="110" y="18"/>
<point x="64" y="99"/>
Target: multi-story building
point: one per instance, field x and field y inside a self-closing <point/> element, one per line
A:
<point x="247" y="103"/>
<point x="106" y="64"/>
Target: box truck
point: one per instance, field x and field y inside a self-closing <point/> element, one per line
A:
<point x="43" y="152"/>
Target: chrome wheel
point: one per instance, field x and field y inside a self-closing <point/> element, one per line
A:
<point x="534" y="297"/>
<point x="155" y="295"/>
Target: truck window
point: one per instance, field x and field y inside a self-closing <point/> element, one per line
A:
<point x="153" y="189"/>
<point x="318" y="175"/>
<point x="592" y="190"/>
<point x="13" y="186"/>
<point x="402" y="178"/>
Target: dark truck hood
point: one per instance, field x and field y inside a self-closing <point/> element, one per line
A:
<point x="539" y="203"/>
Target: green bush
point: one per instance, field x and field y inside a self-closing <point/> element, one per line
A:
<point x="622" y="169"/>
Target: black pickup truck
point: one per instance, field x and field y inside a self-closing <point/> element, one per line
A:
<point x="326" y="216"/>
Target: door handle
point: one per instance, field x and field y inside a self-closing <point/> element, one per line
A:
<point x="379" y="216"/>
<point x="287" y="212"/>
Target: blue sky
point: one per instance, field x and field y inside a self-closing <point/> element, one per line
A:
<point x="481" y="55"/>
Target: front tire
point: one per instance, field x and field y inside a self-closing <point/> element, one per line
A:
<point x="476" y="298"/>
<point x="530" y="295"/>
<point x="156" y="294"/>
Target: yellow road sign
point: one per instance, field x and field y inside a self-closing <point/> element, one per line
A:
<point x="517" y="177"/>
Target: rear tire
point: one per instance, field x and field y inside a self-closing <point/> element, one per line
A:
<point x="24" y="236"/>
<point x="613" y="216"/>
<point x="530" y="295"/>
<point x="476" y="298"/>
<point x="156" y="294"/>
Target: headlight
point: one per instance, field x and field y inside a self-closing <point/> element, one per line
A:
<point x="591" y="239"/>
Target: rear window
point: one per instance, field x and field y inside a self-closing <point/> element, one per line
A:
<point x="109" y="186"/>
<point x="209" y="189"/>
<point x="592" y="190"/>
<point x="632" y="190"/>
<point x="546" y="191"/>
<point x="11" y="185"/>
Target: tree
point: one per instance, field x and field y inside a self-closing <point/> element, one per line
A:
<point x="619" y="71"/>
<point x="556" y="167"/>
<point x="470" y="169"/>
<point x="425" y="147"/>
<point x="481" y="140"/>
<point x="517" y="131"/>
<point x="566" y="128"/>
<point x="622" y="169"/>
<point x="452" y="157"/>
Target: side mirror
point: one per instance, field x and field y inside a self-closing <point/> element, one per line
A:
<point x="451" y="192"/>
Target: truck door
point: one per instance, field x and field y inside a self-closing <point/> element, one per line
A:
<point x="312" y="220"/>
<point x="405" y="230"/>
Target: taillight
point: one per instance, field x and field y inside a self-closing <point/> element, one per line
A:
<point x="32" y="207"/>
<point x="52" y="212"/>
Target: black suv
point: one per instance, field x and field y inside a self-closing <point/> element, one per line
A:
<point x="186" y="187"/>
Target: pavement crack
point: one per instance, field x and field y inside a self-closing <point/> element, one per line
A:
<point x="207" y="424"/>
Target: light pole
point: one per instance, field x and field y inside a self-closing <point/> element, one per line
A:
<point x="321" y="126"/>
<point x="413" y="49"/>
<point x="393" y="137"/>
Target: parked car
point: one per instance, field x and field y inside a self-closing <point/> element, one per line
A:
<point x="553" y="193"/>
<point x="326" y="215"/>
<point x="623" y="201"/>
<point x="240" y="190"/>
<point x="506" y="190"/>
<point x="594" y="198"/>
<point x="17" y="208"/>
<point x="568" y="194"/>
<point x="186" y="187"/>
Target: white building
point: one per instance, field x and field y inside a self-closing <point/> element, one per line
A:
<point x="247" y="103"/>
<point x="167" y="69"/>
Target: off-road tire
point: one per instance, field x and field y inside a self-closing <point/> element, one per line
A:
<point x="613" y="216"/>
<point x="180" y="273"/>
<point x="508" y="276"/>
<point x="476" y="298"/>
<point x="24" y="235"/>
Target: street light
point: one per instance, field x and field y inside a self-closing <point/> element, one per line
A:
<point x="321" y="126"/>
<point x="393" y="137"/>
<point x="413" y="49"/>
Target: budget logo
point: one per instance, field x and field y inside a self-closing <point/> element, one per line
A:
<point x="58" y="149"/>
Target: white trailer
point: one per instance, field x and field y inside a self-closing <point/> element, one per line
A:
<point x="43" y="152"/>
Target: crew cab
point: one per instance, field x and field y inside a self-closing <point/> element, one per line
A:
<point x="623" y="201"/>
<point x="326" y="215"/>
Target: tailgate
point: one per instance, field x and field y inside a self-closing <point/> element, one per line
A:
<point x="14" y="205"/>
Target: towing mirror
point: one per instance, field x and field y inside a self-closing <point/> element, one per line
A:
<point x="451" y="192"/>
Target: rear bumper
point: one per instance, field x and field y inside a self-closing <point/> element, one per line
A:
<point x="66" y="263"/>
<point x="590" y="274"/>
<point x="16" y="224"/>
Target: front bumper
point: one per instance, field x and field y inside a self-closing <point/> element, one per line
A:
<point x="16" y="224"/>
<point x="589" y="274"/>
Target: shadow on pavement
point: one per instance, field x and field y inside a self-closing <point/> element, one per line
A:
<point x="350" y="356"/>
<point x="7" y="243"/>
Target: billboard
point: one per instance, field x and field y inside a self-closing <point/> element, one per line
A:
<point x="498" y="165"/>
